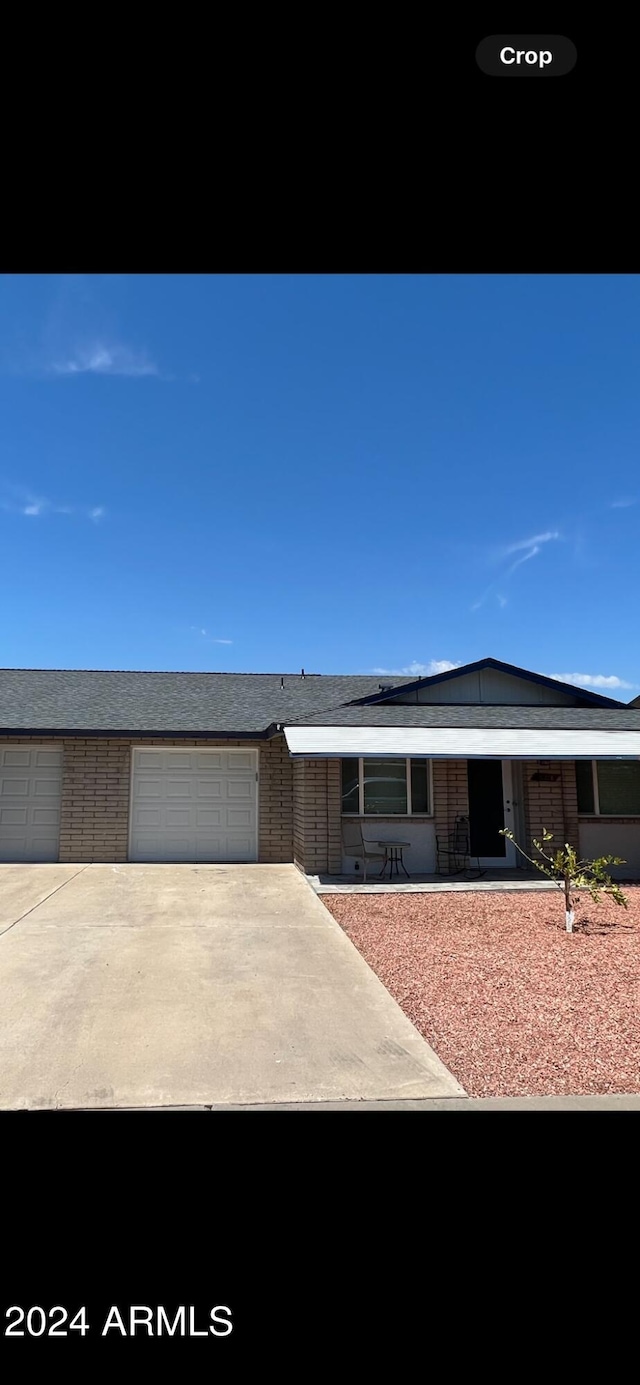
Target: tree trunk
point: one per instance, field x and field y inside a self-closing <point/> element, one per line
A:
<point x="568" y="911"/>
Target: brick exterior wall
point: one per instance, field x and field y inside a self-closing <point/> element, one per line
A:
<point x="96" y="776"/>
<point x="317" y="816"/>
<point x="299" y="800"/>
<point x="275" y="802"/>
<point x="94" y="817"/>
<point x="450" y="794"/>
<point x="552" y="804"/>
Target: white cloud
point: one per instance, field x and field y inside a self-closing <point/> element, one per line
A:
<point x="624" y="504"/>
<point x="22" y="502"/>
<point x="528" y="548"/>
<point x="524" y="559"/>
<point x="100" y="359"/>
<point x="531" y="543"/>
<point x="593" y="680"/>
<point x="502" y="602"/>
<point x="416" y="670"/>
<point x="211" y="639"/>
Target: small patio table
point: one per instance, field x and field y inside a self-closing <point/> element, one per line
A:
<point x="393" y="858"/>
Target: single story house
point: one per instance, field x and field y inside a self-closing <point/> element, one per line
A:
<point x="224" y="767"/>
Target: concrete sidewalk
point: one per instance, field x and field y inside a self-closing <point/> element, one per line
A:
<point x="136" y="986"/>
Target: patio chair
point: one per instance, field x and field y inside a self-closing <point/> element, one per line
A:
<point x="452" y="852"/>
<point x="355" y="845"/>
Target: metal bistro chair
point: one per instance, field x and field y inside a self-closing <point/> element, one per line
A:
<point x="452" y="852"/>
<point x="355" y="845"/>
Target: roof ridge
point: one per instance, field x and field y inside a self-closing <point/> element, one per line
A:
<point x="192" y="673"/>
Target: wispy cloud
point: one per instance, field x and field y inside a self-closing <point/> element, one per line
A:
<point x="83" y="333"/>
<point x="417" y="670"/>
<point x="100" y="358"/>
<point x="625" y="503"/>
<point x="530" y="543"/>
<point x="593" y="680"/>
<point x="211" y="639"/>
<point x="21" y="502"/>
<point x="526" y="549"/>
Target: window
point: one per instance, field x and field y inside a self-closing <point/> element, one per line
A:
<point x="386" y="788"/>
<point x="584" y="784"/>
<point x="608" y="788"/>
<point x="350" y="786"/>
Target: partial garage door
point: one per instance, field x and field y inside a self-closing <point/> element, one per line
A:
<point x="30" y="793"/>
<point x="194" y="805"/>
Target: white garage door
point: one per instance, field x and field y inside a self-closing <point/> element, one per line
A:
<point x="30" y="792"/>
<point x="194" y="805"/>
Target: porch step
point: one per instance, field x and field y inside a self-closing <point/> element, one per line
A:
<point x="502" y="881"/>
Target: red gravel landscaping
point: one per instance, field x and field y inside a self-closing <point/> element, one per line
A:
<point x="513" y="1004"/>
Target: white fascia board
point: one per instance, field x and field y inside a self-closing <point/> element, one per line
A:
<point x="462" y="743"/>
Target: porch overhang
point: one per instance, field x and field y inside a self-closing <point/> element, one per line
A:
<point x="461" y="743"/>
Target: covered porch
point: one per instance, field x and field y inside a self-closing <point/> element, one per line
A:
<point x="412" y="785"/>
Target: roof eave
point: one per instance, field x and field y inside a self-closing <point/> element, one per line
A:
<point x="128" y="734"/>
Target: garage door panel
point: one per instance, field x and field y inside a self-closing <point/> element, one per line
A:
<point x="14" y="788"/>
<point x="13" y="817"/>
<point x="149" y="788"/>
<point x="150" y="759"/>
<point x="26" y="847"/>
<point x="239" y="788"/>
<point x="45" y="788"/>
<point x="152" y="847"/>
<point x="208" y="817"/>
<point x="209" y="788"/>
<point x="178" y="817"/>
<point x="44" y="848"/>
<point x="15" y="759"/>
<point x="45" y="817"/>
<point x="47" y="759"/>
<point x="206" y="814"/>
<point x="225" y="848"/>
<point x="210" y="760"/>
<point x="30" y="795"/>
<point x="178" y="788"/>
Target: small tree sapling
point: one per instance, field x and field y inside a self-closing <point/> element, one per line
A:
<point x="571" y="874"/>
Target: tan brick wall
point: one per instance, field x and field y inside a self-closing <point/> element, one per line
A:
<point x="95" y="799"/>
<point x="334" y="795"/>
<point x="275" y="802"/>
<point x="450" y="794"/>
<point x="570" y="796"/>
<point x="317" y="822"/>
<point x="550" y="804"/>
<point x="96" y="774"/>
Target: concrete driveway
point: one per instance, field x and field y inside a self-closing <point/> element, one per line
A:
<point x="130" y="986"/>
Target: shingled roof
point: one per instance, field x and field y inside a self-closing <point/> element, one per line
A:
<point x="79" y="701"/>
<point x="481" y="716"/>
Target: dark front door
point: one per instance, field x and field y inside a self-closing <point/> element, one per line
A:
<point x="486" y="808"/>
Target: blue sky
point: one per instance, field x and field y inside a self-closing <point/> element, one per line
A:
<point x="341" y="473"/>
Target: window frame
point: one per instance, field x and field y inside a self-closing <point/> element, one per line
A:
<point x="409" y="813"/>
<point x="596" y="800"/>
